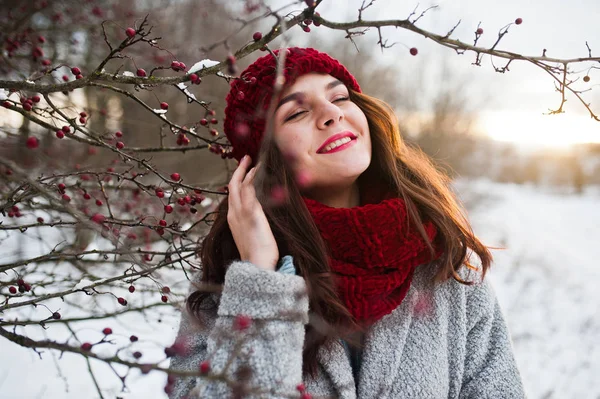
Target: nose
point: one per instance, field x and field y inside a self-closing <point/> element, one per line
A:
<point x="329" y="114"/>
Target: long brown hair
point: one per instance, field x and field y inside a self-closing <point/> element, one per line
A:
<point x="395" y="166"/>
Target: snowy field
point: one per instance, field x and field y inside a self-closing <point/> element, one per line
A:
<point x="545" y="281"/>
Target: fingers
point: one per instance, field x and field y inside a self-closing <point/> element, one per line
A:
<point x="235" y="183"/>
<point x="241" y="187"/>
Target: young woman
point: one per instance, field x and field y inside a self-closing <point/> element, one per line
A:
<point x="343" y="257"/>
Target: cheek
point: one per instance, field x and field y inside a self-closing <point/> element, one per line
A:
<point x="290" y="142"/>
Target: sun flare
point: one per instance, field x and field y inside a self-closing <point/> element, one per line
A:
<point x="528" y="128"/>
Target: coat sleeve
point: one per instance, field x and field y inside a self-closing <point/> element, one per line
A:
<point x="267" y="355"/>
<point x="490" y="368"/>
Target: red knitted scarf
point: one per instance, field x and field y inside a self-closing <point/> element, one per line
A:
<point x="373" y="253"/>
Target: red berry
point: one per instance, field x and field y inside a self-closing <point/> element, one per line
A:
<point x="98" y="218"/>
<point x="175" y="176"/>
<point x="162" y="223"/>
<point x="317" y="23"/>
<point x="165" y="290"/>
<point x="41" y="39"/>
<point x="164" y="105"/>
<point x="141" y="73"/>
<point x="45" y="62"/>
<point x="32" y="142"/>
<point x="66" y="129"/>
<point x="300" y="387"/>
<point x="214" y="121"/>
<point x="133" y="338"/>
<point x="240" y="95"/>
<point x="12" y="290"/>
<point x="86" y="347"/>
<point x="137" y="355"/>
<point x="61" y="186"/>
<point x="479" y="31"/>
<point x="212" y="112"/>
<point x="257" y="36"/>
<point x="56" y="316"/>
<point x="76" y="71"/>
<point x="80" y="76"/>
<point x="120" y="145"/>
<point x="414" y="51"/>
<point x="65" y="78"/>
<point x="131" y="289"/>
<point x="99" y="202"/>
<point x="87" y="196"/>
<point x="519" y="21"/>
<point x="66" y="198"/>
<point x="36" y="99"/>
<point x="160" y="194"/>
<point x="83" y="114"/>
<point x="122" y="301"/>
<point x="60" y="134"/>
<point x="40" y="220"/>
<point x="168" y="208"/>
<point x="119" y="134"/>
<point x="305" y="395"/>
<point x="107" y="331"/>
<point x="164" y="298"/>
<point x="130" y="32"/>
<point x="241" y="322"/>
<point x="27" y="107"/>
<point x="203" y="122"/>
<point x="205" y="367"/>
<point x="214" y="132"/>
<point x="305" y="28"/>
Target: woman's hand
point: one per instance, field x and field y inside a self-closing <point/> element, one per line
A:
<point x="248" y="222"/>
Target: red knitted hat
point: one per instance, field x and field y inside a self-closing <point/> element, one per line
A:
<point x="249" y="97"/>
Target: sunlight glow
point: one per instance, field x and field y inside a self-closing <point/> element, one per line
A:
<point x="531" y="129"/>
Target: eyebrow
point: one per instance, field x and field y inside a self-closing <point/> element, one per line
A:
<point x="299" y="94"/>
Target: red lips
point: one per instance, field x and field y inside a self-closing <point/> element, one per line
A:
<point x="335" y="137"/>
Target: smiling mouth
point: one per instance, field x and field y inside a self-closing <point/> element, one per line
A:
<point x="338" y="145"/>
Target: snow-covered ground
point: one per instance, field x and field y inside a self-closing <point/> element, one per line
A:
<point x="545" y="280"/>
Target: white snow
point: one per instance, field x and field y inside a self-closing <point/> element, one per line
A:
<point x="83" y="284"/>
<point x="206" y="63"/>
<point x="3" y="94"/>
<point x="160" y="111"/>
<point x="545" y="281"/>
<point x="128" y="73"/>
<point x="183" y="87"/>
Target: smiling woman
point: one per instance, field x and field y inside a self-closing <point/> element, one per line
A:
<point x="326" y="135"/>
<point x="528" y="129"/>
<point x="357" y="283"/>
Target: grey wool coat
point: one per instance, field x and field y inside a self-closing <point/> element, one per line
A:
<point x="444" y="341"/>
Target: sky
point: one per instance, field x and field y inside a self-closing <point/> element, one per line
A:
<point x="511" y="105"/>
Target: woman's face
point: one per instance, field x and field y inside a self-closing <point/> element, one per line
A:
<point x="312" y="111"/>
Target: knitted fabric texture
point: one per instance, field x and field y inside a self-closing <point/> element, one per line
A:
<point x="249" y="97"/>
<point x="374" y="251"/>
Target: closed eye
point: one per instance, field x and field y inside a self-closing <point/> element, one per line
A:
<point x="291" y="117"/>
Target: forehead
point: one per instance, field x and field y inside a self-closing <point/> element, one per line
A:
<point x="309" y="82"/>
